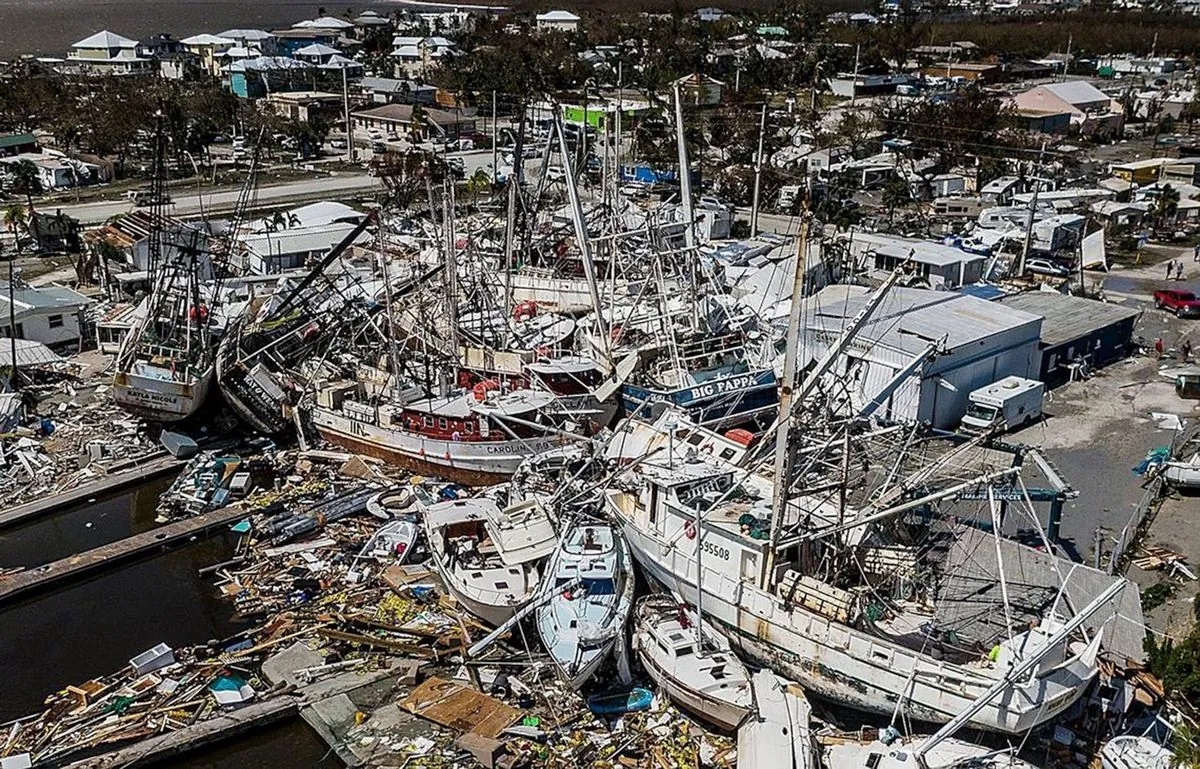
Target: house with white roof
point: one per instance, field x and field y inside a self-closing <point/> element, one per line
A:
<point x="315" y="53"/>
<point x="412" y="56"/>
<point x="558" y="21"/>
<point x="210" y="49"/>
<point x="51" y="315"/>
<point x="252" y="39"/>
<point x="1091" y="110"/>
<point x="107" y="53"/>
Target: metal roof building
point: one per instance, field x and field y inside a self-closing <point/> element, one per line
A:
<point x="975" y="343"/>
<point x="1076" y="331"/>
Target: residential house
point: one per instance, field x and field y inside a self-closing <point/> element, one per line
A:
<point x="557" y="21"/>
<point x="305" y="105"/>
<point x="386" y="90"/>
<point x="940" y="265"/>
<point x="122" y="248"/>
<point x="276" y="250"/>
<point x="315" y="54"/>
<point x="17" y="144"/>
<point x="414" y="55"/>
<point x="253" y="39"/>
<point x="710" y="15"/>
<point x="210" y="49"/>
<point x="1055" y="123"/>
<point x="160" y="45"/>
<point x="971" y="72"/>
<point x="1185" y="170"/>
<point x="180" y="65"/>
<point x="326" y="24"/>
<point x="107" y="53"/>
<point x="1140" y="172"/>
<point x="288" y="40"/>
<point x="57" y="171"/>
<point x="55" y="233"/>
<point x="255" y="78"/>
<point x="999" y="192"/>
<point x="398" y="118"/>
<point x="50" y="315"/>
<point x="848" y="85"/>
<point x="1092" y="111"/>
<point x="699" y="90"/>
<point x="1117" y="214"/>
<point x="370" y="23"/>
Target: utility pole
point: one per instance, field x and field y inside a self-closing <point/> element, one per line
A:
<point x="854" y="80"/>
<point x="495" y="137"/>
<point x="1037" y="188"/>
<point x="12" y="313"/>
<point x="346" y="115"/>
<point x="758" y="161"/>
<point x="1067" y="59"/>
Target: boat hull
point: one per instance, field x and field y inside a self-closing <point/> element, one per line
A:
<point x="160" y="400"/>
<point x="718" y="713"/>
<point x="847" y="666"/>
<point x="471" y="463"/>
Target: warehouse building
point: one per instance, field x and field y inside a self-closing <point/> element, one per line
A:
<point x="1076" y="332"/>
<point x="977" y="342"/>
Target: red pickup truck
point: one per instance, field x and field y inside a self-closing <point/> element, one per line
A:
<point x="1183" y="303"/>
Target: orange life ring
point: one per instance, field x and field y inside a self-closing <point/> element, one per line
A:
<point x="689" y="530"/>
<point x="524" y="310"/>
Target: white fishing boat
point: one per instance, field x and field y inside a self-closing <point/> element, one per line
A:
<point x="391" y="543"/>
<point x="947" y="753"/>
<point x="803" y="627"/>
<point x="489" y="559"/>
<point x="476" y="438"/>
<point x="1134" y="752"/>
<point x="581" y="623"/>
<point x="777" y="734"/>
<point x="691" y="663"/>
<point x="164" y="387"/>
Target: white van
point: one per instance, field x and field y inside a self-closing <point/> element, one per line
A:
<point x="1005" y="405"/>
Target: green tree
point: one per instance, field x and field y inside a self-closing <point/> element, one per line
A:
<point x="1166" y="204"/>
<point x="896" y="194"/>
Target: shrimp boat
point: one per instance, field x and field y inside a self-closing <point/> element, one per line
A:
<point x="691" y="663"/>
<point x="489" y="559"/>
<point x="476" y="437"/>
<point x="584" y="620"/>
<point x="810" y="630"/>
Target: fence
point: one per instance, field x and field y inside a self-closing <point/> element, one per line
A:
<point x="1143" y="513"/>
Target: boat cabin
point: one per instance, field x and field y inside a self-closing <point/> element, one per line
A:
<point x="476" y="416"/>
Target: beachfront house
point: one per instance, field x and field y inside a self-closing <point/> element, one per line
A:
<point x="107" y="53"/>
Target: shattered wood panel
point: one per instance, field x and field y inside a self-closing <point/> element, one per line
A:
<point x="455" y="706"/>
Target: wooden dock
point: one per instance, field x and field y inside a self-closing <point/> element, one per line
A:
<point x="162" y="747"/>
<point x="144" y="469"/>
<point x="39" y="577"/>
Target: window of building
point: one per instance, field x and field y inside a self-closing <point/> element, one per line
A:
<point x="56" y="321"/>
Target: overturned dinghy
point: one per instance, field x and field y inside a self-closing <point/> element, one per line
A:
<point x="691" y="663"/>
<point x="581" y="624"/>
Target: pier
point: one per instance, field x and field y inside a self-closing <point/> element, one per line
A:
<point x="40" y="577"/>
<point x="143" y="469"/>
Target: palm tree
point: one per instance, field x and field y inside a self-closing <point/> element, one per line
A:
<point x="1185" y="752"/>
<point x="1166" y="204"/>
<point x="26" y="181"/>
<point x="14" y="216"/>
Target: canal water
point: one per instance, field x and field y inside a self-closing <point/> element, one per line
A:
<point x="94" y="626"/>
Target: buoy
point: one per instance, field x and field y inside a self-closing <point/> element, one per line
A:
<point x="689" y="529"/>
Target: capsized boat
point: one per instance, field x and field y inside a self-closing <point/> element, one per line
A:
<point x="489" y="559"/>
<point x="691" y="662"/>
<point x="1183" y="475"/>
<point x="777" y="734"/>
<point x="947" y="753"/>
<point x="583" y="621"/>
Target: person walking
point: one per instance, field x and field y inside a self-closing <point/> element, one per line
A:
<point x="1170" y="266"/>
<point x="1158" y="348"/>
<point x="1179" y="270"/>
<point x="1185" y="351"/>
<point x="1196" y="253"/>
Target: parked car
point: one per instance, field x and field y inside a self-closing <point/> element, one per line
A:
<point x="1183" y="303"/>
<point x="1046" y="267"/>
<point x="146" y="197"/>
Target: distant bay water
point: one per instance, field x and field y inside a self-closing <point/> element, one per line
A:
<point x="49" y="27"/>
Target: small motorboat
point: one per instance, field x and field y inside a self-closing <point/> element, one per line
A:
<point x="583" y="620"/>
<point x="691" y="662"/>
<point x="391" y="543"/>
<point x="899" y="753"/>
<point x="619" y="703"/>
<point x="489" y="559"/>
<point x="388" y="504"/>
<point x="777" y="735"/>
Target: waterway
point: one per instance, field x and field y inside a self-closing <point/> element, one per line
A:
<point x="49" y="27"/>
<point x="91" y="627"/>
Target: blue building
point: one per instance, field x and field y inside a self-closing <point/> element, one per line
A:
<point x="256" y="78"/>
